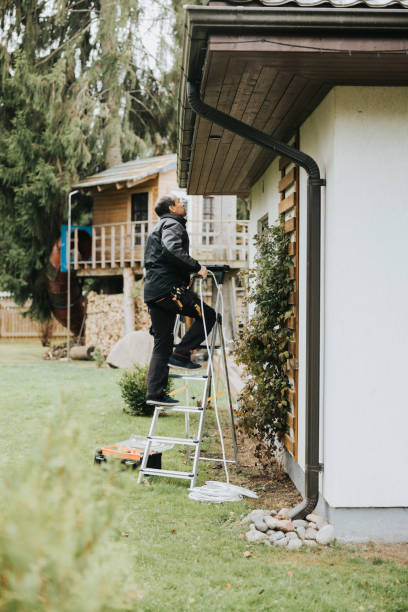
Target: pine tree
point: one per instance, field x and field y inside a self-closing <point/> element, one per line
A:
<point x="153" y="114"/>
<point x="77" y="94"/>
<point x="47" y="138"/>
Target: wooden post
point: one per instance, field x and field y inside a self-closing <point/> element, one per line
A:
<point x="132" y="244"/>
<point x="128" y="302"/>
<point x="113" y="246"/>
<point x="103" y="246"/>
<point x="122" y="245"/>
<point x="94" y="247"/>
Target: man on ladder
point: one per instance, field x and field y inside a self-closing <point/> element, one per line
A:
<point x="167" y="293"/>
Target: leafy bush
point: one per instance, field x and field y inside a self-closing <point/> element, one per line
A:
<point x="98" y="357"/>
<point x="133" y="385"/>
<point x="263" y="345"/>
<point x="59" y="549"/>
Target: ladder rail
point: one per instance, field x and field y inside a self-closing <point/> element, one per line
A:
<point x="206" y="395"/>
<point x="187" y="414"/>
<point x="148" y="445"/>
<point x="230" y="407"/>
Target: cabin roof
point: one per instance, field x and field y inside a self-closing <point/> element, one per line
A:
<point x="131" y="172"/>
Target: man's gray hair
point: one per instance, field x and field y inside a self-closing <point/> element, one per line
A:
<point x="163" y="205"/>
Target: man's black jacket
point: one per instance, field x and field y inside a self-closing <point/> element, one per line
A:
<point x="167" y="261"/>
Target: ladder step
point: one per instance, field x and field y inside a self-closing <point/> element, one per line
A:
<point x="188" y="376"/>
<point x="180" y="409"/>
<point x="186" y="441"/>
<point x="203" y="346"/>
<point x="220" y="460"/>
<point x="174" y="474"/>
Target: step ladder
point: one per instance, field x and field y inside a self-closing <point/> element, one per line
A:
<point x="195" y="441"/>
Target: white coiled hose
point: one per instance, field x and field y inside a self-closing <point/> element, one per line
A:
<point x="214" y="491"/>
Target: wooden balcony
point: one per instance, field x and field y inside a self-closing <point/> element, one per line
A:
<point x="119" y="245"/>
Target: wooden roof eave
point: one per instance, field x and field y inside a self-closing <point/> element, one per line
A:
<point x="120" y="185"/>
<point x="124" y="174"/>
<point x="236" y="21"/>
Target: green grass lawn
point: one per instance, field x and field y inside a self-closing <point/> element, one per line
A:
<point x="180" y="554"/>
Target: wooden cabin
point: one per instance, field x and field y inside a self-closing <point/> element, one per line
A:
<point x="123" y="215"/>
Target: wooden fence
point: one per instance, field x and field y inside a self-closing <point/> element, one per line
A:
<point x="14" y="326"/>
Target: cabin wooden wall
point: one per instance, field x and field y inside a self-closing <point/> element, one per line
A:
<point x="167" y="183"/>
<point x="114" y="205"/>
<point x="110" y="206"/>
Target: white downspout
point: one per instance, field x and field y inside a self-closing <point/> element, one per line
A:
<point x="68" y="253"/>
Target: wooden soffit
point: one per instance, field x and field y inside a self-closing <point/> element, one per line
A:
<point x="273" y="82"/>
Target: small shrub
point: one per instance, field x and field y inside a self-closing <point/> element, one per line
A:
<point x="133" y="385"/>
<point x="98" y="357"/>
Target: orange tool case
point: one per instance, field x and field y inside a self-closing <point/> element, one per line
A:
<point x="128" y="455"/>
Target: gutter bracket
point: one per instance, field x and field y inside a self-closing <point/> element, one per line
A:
<point x="315" y="468"/>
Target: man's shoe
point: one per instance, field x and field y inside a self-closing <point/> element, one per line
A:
<point x="183" y="364"/>
<point x="162" y="400"/>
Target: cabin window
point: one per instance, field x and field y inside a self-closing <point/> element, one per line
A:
<point x="207" y="220"/>
<point x="139" y="206"/>
<point x="140" y="214"/>
<point x="263" y="223"/>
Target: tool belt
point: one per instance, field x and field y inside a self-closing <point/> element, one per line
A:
<point x="181" y="297"/>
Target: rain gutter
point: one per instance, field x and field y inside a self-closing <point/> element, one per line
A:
<point x="239" y="20"/>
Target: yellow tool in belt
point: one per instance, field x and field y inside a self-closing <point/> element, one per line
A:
<point x="178" y="302"/>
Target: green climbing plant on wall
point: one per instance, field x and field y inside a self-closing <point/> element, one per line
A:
<point x="263" y="345"/>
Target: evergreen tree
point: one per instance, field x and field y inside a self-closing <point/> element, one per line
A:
<point x="48" y="134"/>
<point x="153" y="113"/>
<point x="77" y="94"/>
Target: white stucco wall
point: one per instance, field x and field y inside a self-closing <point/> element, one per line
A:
<point x="359" y="136"/>
<point x="264" y="201"/>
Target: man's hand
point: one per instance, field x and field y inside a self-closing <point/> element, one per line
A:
<point x="203" y="272"/>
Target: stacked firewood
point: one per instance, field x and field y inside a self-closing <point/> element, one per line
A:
<point x="142" y="317"/>
<point x="105" y="320"/>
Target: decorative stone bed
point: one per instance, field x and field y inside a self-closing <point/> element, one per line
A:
<point x="276" y="528"/>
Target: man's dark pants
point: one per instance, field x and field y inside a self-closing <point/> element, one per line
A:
<point x="163" y="314"/>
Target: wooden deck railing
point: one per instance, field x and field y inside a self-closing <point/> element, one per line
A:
<point x="116" y="245"/>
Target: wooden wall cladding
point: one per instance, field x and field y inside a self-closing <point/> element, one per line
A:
<point x="289" y="211"/>
<point x="287" y="203"/>
<point x="290" y="225"/>
<point x="110" y="206"/>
